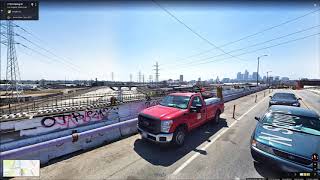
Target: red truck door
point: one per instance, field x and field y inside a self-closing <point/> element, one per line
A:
<point x="197" y="118"/>
<point x="211" y="111"/>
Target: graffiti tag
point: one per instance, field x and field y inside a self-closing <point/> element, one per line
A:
<point x="74" y="118"/>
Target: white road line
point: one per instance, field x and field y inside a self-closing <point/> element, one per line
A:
<point x="305" y="103"/>
<point x="301" y="98"/>
<point x="213" y="140"/>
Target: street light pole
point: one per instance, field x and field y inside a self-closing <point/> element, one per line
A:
<point x="258" y="68"/>
<point x="258" y="71"/>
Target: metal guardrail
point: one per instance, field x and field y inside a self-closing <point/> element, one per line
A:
<point x="63" y="102"/>
<point x="68" y="102"/>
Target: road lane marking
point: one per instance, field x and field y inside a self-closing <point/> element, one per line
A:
<point x="308" y="105"/>
<point x="300" y="97"/>
<point x="214" y="139"/>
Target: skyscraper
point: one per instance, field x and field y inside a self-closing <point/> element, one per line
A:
<point x="239" y="76"/>
<point x="264" y="78"/>
<point x="254" y="75"/>
<point x="246" y="75"/>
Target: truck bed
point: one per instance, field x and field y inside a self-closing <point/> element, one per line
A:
<point x="210" y="101"/>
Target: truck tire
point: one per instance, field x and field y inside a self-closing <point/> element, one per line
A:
<point x="217" y="117"/>
<point x="179" y="137"/>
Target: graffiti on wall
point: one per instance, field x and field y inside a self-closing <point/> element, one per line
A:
<point x="75" y="118"/>
<point x="53" y="123"/>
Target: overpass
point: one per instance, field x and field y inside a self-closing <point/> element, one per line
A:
<point x="307" y="82"/>
<point x="116" y="86"/>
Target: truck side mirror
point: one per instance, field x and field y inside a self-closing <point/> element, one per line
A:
<point x="198" y="107"/>
<point x="257" y="118"/>
<point x="299" y="99"/>
<point x="270" y="96"/>
<point x="193" y="109"/>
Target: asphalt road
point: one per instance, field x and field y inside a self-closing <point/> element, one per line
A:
<point x="211" y="152"/>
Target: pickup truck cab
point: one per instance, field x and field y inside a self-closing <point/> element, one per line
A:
<point x="176" y="115"/>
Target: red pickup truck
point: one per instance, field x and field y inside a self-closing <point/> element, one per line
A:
<point x="176" y="115"/>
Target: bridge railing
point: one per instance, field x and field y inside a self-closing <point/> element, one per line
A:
<point x="63" y="101"/>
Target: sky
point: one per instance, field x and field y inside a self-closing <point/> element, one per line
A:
<point x="92" y="41"/>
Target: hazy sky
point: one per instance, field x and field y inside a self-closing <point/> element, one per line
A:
<point x="128" y="39"/>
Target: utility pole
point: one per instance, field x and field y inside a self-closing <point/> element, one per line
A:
<point x="258" y="68"/>
<point x="157" y="72"/>
<point x="130" y="77"/>
<point x="258" y="71"/>
<point x="150" y="79"/>
<point x="12" y="75"/>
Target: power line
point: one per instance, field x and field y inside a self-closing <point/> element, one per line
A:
<point x="59" y="59"/>
<point x="263" y="48"/>
<point x="272" y="27"/>
<point x="193" y="31"/>
<point x="286" y="42"/>
<point x="70" y="65"/>
<point x="26" y="47"/>
<point x="251" y="35"/>
<point x="253" y="45"/>
<point x="35" y="51"/>
<point x="48" y="57"/>
<point x="23" y="29"/>
<point x="39" y="46"/>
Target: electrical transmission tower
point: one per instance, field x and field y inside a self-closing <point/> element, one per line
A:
<point x="112" y="76"/>
<point x="157" y="72"/>
<point x="13" y="87"/>
<point x="143" y="78"/>
<point x="139" y="77"/>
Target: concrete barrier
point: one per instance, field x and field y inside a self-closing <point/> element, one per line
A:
<point x="35" y="126"/>
<point x="54" y="148"/>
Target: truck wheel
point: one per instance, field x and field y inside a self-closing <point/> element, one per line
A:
<point x="179" y="137"/>
<point x="217" y="117"/>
